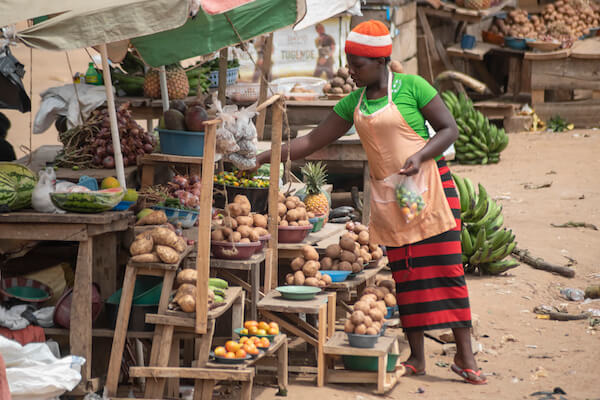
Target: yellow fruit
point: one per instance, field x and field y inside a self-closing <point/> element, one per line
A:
<point x="178" y="86"/>
<point x="315" y="176"/>
<point x="131" y="195"/>
<point x="110" y="183"/>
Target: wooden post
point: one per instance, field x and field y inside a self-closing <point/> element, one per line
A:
<point x="164" y="90"/>
<point x="276" y="132"/>
<point x="262" y="96"/>
<point x="203" y="256"/>
<point x="223" y="76"/>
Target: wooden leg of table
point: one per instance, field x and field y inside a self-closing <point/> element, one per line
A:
<point x="596" y="94"/>
<point x="514" y="76"/>
<point x="255" y="282"/>
<point x="80" y="334"/>
<point x="321" y="344"/>
<point x="486" y="76"/>
<point x="246" y="393"/>
<point x="165" y="293"/>
<point x="381" y="371"/>
<point x="366" y="211"/>
<point x="173" y="383"/>
<point x="120" y="334"/>
<point x="268" y="271"/>
<point x="331" y="318"/>
<point x="203" y="344"/>
<point x="537" y="97"/>
<point x="282" y="367"/>
<point x="155" y="387"/>
<point x="147" y="176"/>
<point x="105" y="263"/>
<point x="149" y="125"/>
<point x="203" y="389"/>
<point x="237" y="312"/>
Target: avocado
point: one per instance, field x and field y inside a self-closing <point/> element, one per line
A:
<point x="178" y="105"/>
<point x="174" y="120"/>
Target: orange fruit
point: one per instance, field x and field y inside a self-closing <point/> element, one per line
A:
<point x="220" y="351"/>
<point x="405" y="211"/>
<point x="248" y="324"/>
<point x="243" y="331"/>
<point x="273" y="331"/>
<point x="254" y="339"/>
<point x="241" y="353"/>
<point x="253" y="330"/>
<point x="274" y="325"/>
<point x="414" y="207"/>
<point x="261" y="332"/>
<point x="110" y="183"/>
<point x="232" y="346"/>
<point x="230" y="355"/>
<point x="252" y="350"/>
<point x="243" y="339"/>
<point x="264" y="342"/>
<point x="263" y="325"/>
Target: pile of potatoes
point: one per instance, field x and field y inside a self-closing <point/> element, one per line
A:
<point x="352" y="252"/>
<point x="342" y="83"/>
<point x="240" y="225"/>
<point x="157" y="245"/>
<point x="291" y="211"/>
<point x="306" y="270"/>
<point x="185" y="296"/>
<point x="368" y="316"/>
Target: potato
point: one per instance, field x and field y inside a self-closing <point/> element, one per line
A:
<point x="187" y="303"/>
<point x="299" y="278"/>
<point x="145" y="258"/>
<point x="362" y="306"/>
<point x="351" y="235"/>
<point x="260" y="221"/>
<point x="217" y="235"/>
<point x="289" y="279"/>
<point x="245" y="209"/>
<point x="244" y="220"/>
<point x="296" y="200"/>
<point x="294" y="223"/>
<point x="310" y="214"/>
<point x="347" y="88"/>
<point x="318" y="275"/>
<point x="346" y="243"/>
<point x="241" y="199"/>
<point x="234" y="209"/>
<point x="281" y="209"/>
<point x="184" y="289"/>
<point x="333" y="251"/>
<point x="227" y="233"/>
<point x="357" y="317"/>
<point x="310" y="253"/>
<point x="390" y="300"/>
<point x="283" y="222"/>
<point x="338" y="82"/>
<point x="388" y="283"/>
<point x="356" y="268"/>
<point x="154" y="218"/>
<point x="384" y="290"/>
<point x="376" y="314"/>
<point x="141" y="246"/>
<point x="381" y="306"/>
<point x="297" y="263"/>
<point x="181" y="245"/>
<point x="377" y="292"/>
<point x="349" y="326"/>
<point x="326" y="263"/>
<point x="235" y="237"/>
<point x="348" y="256"/>
<point x="261" y="232"/>
<point x="290" y="204"/>
<point x="303" y="223"/>
<point x="366" y="256"/>
<point x="368" y="321"/>
<point x="244" y="240"/>
<point x="310" y="268"/>
<point x="345" y="266"/>
<point x="280" y="197"/>
<point x="361" y="329"/>
<point x="254" y="236"/>
<point x="167" y="254"/>
<point x="327" y="87"/>
<point x="363" y="237"/>
<point x="377" y="254"/>
<point x="373" y="247"/>
<point x="312" y="282"/>
<point x="371" y="331"/>
<point x="188" y="275"/>
<point x="164" y="236"/>
<point x="244" y="230"/>
<point x="326" y="278"/>
<point x="369" y="298"/>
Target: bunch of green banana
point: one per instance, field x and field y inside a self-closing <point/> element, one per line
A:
<point x="198" y="79"/>
<point x="218" y="287"/>
<point x="485" y="244"/>
<point x="479" y="142"/>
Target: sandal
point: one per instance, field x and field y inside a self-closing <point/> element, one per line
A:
<point x="413" y="369"/>
<point x="464" y="373"/>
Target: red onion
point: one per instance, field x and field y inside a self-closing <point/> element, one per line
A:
<point x="108" y="162"/>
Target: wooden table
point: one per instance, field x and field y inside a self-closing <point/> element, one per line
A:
<point x="68" y="174"/>
<point x="285" y="313"/>
<point x="96" y="262"/>
<point x="293" y="250"/>
<point x="147" y="163"/>
<point x="357" y="284"/>
<point x="338" y="345"/>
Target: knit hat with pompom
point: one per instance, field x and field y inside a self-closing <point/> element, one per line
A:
<point x="369" y="39"/>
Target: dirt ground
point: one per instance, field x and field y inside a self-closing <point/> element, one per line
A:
<point x="561" y="353"/>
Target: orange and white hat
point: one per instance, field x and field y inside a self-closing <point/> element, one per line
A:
<point x="369" y="39"/>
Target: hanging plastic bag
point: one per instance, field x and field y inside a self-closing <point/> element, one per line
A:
<point x="225" y="139"/>
<point x="406" y="191"/>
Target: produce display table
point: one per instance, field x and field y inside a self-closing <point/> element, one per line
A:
<point x="284" y="312"/>
<point x="96" y="262"/>
<point x="147" y="163"/>
<point x="292" y="250"/>
<point x="71" y="175"/>
<point x="346" y="288"/>
<point x="338" y="345"/>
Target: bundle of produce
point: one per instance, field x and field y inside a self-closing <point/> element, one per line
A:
<point x="352" y="252"/>
<point x="479" y="142"/>
<point x="239" y="178"/>
<point x="315" y="177"/>
<point x="485" y="244"/>
<point x="17" y="183"/>
<point x="185" y="295"/>
<point x="341" y="84"/>
<point x="157" y="245"/>
<point x="198" y="79"/>
<point x="384" y="290"/>
<point x="306" y="270"/>
<point x="90" y="145"/>
<point x="343" y="214"/>
<point x="292" y="211"/>
<point x="368" y="315"/>
<point x="186" y="189"/>
<point x="239" y="225"/>
<point x="181" y="117"/>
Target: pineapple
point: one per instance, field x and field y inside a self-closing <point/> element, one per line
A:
<point x="315" y="176"/>
<point x="178" y="86"/>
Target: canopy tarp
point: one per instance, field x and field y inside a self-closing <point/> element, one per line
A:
<point x="100" y="22"/>
<point x="208" y="33"/>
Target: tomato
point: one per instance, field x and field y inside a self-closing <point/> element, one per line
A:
<point x="220" y="351"/>
<point x="241" y="353"/>
<point x="263" y="325"/>
<point x="249" y="324"/>
<point x="230" y="355"/>
<point x="232" y="346"/>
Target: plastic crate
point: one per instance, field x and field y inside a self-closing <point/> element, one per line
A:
<point x="243" y="92"/>
<point x="232" y="75"/>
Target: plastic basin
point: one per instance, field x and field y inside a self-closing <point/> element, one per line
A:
<point x="294" y="292"/>
<point x="27" y="293"/>
<point x="264" y="240"/>
<point x="493" y="38"/>
<point x="62" y="311"/>
<point x="258" y="197"/>
<point x="317" y="222"/>
<point x="175" y="215"/>
<point x="467" y="42"/>
<point x="337" y="276"/>
<point x="181" y="143"/>
<point x="362" y="341"/>
<point x="366" y="363"/>
<point x="233" y="251"/>
<point x="238" y="332"/>
<point x="515" y="43"/>
<point x="25" y="290"/>
<point x="146" y="296"/>
<point x="293" y="234"/>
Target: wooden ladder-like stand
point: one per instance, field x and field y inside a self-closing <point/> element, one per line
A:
<point x="168" y="323"/>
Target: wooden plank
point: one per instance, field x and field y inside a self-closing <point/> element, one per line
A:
<point x="262" y="94"/>
<point x="566" y="74"/>
<point x="291" y="328"/>
<point x="191" y="373"/>
<point x="537" y="97"/>
<point x="345" y="376"/>
<point x="223" y="55"/>
<point x="274" y="302"/>
<point x="156" y="387"/>
<point x="44" y="231"/>
<point x="105" y="263"/>
<point x="114" y="226"/>
<point x="147" y="177"/>
<point x="271" y="268"/>
<point x="321" y="338"/>
<point x="583" y="113"/>
<point x="282" y="365"/>
<point x="586" y="49"/>
<point x="160" y="158"/>
<point x="338" y="345"/>
<point x="64" y="219"/>
<point x="69" y="174"/>
<point x="204" y="218"/>
<point x="476" y="53"/>
<point x="404" y="45"/>
<point x="244" y="265"/>
<point x="80" y="336"/>
<point x="450" y="15"/>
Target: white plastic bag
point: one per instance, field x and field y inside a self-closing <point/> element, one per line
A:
<point x="34" y="373"/>
<point x="449" y="153"/>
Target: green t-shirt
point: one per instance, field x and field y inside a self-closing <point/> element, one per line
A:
<point x="410" y="93"/>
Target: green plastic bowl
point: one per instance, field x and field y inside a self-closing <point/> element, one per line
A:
<point x="295" y="292"/>
<point x="147" y="292"/>
<point x="317" y="222"/>
<point x="27" y="293"/>
<point x="366" y="363"/>
<point x="238" y="332"/>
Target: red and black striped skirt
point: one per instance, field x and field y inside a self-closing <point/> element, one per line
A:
<point x="430" y="281"/>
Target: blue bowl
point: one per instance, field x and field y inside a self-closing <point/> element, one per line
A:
<point x="516" y="43"/>
<point x="123" y="205"/>
<point x="467" y="42"/>
<point x="390" y="312"/>
<point x="181" y="143"/>
<point x="337" y="276"/>
<point x="174" y="215"/>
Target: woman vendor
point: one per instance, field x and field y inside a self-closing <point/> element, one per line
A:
<point x="389" y="111"/>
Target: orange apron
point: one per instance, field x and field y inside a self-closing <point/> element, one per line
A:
<point x="388" y="141"/>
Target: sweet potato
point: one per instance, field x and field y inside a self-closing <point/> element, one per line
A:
<point x="145" y="258"/>
<point x="187" y="303"/>
<point x="244" y="220"/>
<point x="310" y="253"/>
<point x="260" y="221"/>
<point x="181" y="245"/>
<point x="167" y="254"/>
<point x="234" y="209"/>
<point x="164" y="237"/>
<point x="241" y="199"/>
<point x="188" y="275"/>
<point x="154" y="218"/>
<point x="141" y="246"/>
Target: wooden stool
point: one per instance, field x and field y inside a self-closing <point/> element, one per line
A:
<point x="338" y="346"/>
<point x="284" y="312"/>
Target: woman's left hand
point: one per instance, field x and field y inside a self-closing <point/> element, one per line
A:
<point x="412" y="165"/>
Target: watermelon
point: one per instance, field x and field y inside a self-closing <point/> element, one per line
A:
<point x="16" y="185"/>
<point x="88" y="202"/>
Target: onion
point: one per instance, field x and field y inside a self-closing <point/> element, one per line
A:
<point x="134" y="131"/>
<point x="108" y="162"/>
<point x="148" y="148"/>
<point x="101" y="151"/>
<point x="110" y="149"/>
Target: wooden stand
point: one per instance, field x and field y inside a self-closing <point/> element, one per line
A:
<point x="149" y="161"/>
<point x="338" y="346"/>
<point x="284" y="312"/>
